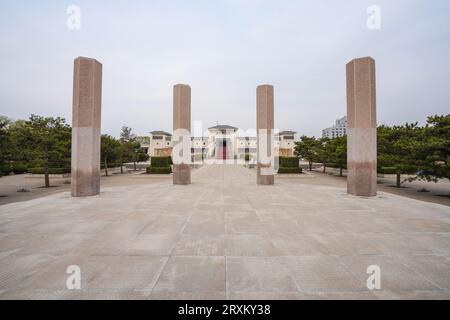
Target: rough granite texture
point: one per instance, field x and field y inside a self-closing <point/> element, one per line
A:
<point x="264" y="121"/>
<point x="362" y="124"/>
<point x="86" y="127"/>
<point x="182" y="120"/>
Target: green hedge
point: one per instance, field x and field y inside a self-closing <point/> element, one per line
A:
<point x="395" y="170"/>
<point x="284" y="170"/>
<point x="110" y="165"/>
<point x="289" y="162"/>
<point x="5" y="170"/>
<point x="156" y="170"/>
<point x="387" y="170"/>
<point x="50" y="170"/>
<point x="161" y="162"/>
<point x="160" y="165"/>
<point x="19" y="168"/>
<point x="336" y="166"/>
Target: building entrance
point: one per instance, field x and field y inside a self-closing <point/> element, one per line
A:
<point x="222" y="149"/>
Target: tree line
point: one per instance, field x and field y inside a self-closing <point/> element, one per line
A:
<point x="419" y="151"/>
<point x="126" y="149"/>
<point x="43" y="145"/>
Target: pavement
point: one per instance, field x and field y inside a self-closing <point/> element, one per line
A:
<point x="224" y="237"/>
<point x="34" y="184"/>
<point x="429" y="191"/>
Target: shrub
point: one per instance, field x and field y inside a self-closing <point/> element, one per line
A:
<point x="289" y="162"/>
<point x="158" y="170"/>
<point x="36" y="170"/>
<point x="396" y="170"/>
<point x="161" y="162"/>
<point x="50" y="170"/>
<point x="388" y="170"/>
<point x="160" y="165"/>
<point x="110" y="165"/>
<point x="19" y="168"/>
<point x="60" y="170"/>
<point x="285" y="170"/>
<point x="336" y="165"/>
<point x="5" y="170"/>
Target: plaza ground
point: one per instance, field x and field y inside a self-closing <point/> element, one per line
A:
<point x="10" y="185"/>
<point x="420" y="190"/>
<point x="224" y="237"/>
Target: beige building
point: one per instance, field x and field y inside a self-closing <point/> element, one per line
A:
<point x="224" y="142"/>
<point x="199" y="148"/>
<point x="160" y="144"/>
<point x="247" y="145"/>
<point x="285" y="143"/>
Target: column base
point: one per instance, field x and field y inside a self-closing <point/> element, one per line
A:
<point x="362" y="180"/>
<point x="265" y="180"/>
<point x="181" y="174"/>
<point x="85" y="184"/>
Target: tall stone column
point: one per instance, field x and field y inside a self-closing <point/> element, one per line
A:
<point x="362" y="128"/>
<point x="86" y="123"/>
<point x="181" y="134"/>
<point x="264" y="129"/>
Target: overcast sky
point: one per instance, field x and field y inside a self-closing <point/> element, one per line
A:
<point x="224" y="49"/>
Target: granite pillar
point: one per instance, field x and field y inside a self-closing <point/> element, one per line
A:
<point x="182" y="130"/>
<point x="362" y="128"/>
<point x="265" y="129"/>
<point x="86" y="123"/>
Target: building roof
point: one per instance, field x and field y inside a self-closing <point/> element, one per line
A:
<point x="160" y="133"/>
<point x="223" y="127"/>
<point x="287" y="133"/>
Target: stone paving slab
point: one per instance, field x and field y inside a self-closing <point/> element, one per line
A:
<point x="224" y="237"/>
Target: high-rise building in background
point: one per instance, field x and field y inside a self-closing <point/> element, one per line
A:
<point x="338" y="130"/>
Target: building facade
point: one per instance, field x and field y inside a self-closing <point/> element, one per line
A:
<point x="338" y="130"/>
<point x="223" y="142"/>
<point x="160" y="144"/>
<point x="285" y="143"/>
